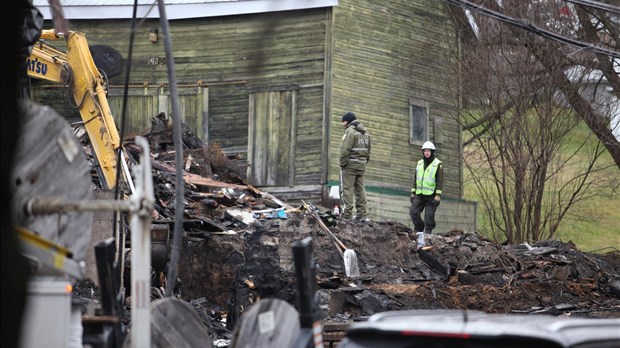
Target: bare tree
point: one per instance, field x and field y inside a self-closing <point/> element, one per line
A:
<point x="569" y="37"/>
<point x="524" y="100"/>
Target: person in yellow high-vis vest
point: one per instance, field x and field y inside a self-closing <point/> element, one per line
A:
<point x="426" y="191"/>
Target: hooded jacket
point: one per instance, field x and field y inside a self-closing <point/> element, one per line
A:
<point x="355" y="147"/>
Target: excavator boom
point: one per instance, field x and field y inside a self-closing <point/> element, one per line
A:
<point x="76" y="68"/>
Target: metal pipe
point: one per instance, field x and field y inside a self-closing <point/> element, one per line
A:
<point x="141" y="250"/>
<point x="56" y="205"/>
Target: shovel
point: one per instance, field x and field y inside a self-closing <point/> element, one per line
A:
<point x="351" y="267"/>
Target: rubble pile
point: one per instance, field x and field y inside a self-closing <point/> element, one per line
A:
<point x="459" y="271"/>
<point x="237" y="250"/>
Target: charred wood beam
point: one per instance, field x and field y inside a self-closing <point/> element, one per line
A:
<point x="487" y="270"/>
<point x="434" y="263"/>
<point x="466" y="278"/>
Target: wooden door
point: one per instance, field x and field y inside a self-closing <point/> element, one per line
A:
<point x="271" y="138"/>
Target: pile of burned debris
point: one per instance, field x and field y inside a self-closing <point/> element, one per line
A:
<point x="226" y="274"/>
<point x="237" y="250"/>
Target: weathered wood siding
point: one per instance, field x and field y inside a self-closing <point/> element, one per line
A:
<point x="308" y="163"/>
<point x="143" y="103"/>
<point x="384" y="54"/>
<point x="368" y="56"/>
<point x="232" y="56"/>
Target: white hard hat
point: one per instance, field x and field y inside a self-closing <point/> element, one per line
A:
<point x="428" y="145"/>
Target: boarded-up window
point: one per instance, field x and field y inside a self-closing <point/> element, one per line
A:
<point x="271" y="138"/>
<point x="140" y="110"/>
<point x="145" y="103"/>
<point x="418" y="124"/>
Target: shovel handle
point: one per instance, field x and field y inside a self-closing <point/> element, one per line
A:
<point x="339" y="244"/>
<point x="329" y="232"/>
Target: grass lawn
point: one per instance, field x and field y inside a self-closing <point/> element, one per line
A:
<point x="594" y="224"/>
<point x="599" y="233"/>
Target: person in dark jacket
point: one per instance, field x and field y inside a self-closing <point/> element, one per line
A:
<point x="426" y="191"/>
<point x="354" y="155"/>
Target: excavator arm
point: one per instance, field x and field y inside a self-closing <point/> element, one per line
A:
<point x="76" y="68"/>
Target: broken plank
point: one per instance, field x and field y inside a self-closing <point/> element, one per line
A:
<point x="210" y="222"/>
<point x="466" y="278"/>
<point x="541" y="251"/>
<point x="434" y="263"/>
<point x="199" y="180"/>
<point x="159" y="165"/>
<point x="268" y="195"/>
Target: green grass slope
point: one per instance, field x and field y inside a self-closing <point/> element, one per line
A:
<point x="593" y="224"/>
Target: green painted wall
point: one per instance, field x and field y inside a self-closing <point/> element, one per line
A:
<point x="368" y="56"/>
<point x="226" y="58"/>
<point x="384" y="54"/>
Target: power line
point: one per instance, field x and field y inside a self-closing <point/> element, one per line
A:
<point x="597" y="5"/>
<point x="532" y="28"/>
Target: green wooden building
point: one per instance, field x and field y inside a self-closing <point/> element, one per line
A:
<point x="270" y="80"/>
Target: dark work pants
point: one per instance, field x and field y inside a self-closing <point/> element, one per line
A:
<point x="353" y="192"/>
<point x="429" y="205"/>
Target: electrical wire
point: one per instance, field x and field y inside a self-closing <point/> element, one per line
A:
<point x="142" y="19"/>
<point x="146" y="15"/>
<point x="597" y="5"/>
<point x="532" y="28"/>
<point x="119" y="157"/>
<point x="178" y="153"/>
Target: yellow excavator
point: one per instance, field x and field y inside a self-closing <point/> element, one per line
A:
<point x="53" y="203"/>
<point x="76" y="68"/>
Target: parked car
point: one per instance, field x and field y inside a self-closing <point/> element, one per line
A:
<point x="475" y="329"/>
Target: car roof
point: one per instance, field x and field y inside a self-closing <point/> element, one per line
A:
<point x="564" y="331"/>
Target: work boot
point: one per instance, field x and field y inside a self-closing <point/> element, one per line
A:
<point x="420" y="243"/>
